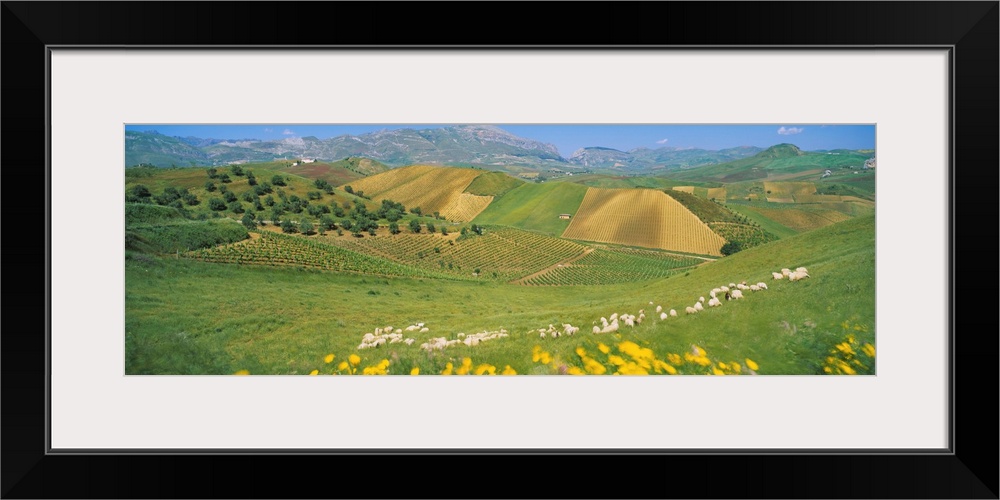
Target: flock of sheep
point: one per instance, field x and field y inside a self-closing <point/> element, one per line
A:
<point x="732" y="291"/>
<point x="471" y="340"/>
<point x="797" y="274"/>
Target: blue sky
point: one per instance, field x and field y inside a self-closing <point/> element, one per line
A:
<point x="569" y="138"/>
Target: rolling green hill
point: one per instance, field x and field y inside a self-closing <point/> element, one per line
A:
<point x="780" y="162"/>
<point x="535" y="207"/>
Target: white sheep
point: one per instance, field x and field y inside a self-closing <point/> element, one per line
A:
<point x="570" y="329"/>
<point x="698" y="306"/>
<point x="777" y="276"/>
<point x="641" y="317"/>
<point x="801" y="270"/>
<point x="659" y="309"/>
<point x="754" y="288"/>
<point x="723" y="288"/>
<point x="411" y="328"/>
<point x="542" y="334"/>
<point x="701" y="300"/>
<point x="409" y="341"/>
<point x="741" y="286"/>
<point x="663" y="315"/>
<point x="613" y="327"/>
<point x="629" y="321"/>
<point x="712" y="294"/>
<point x="690" y="310"/>
<point x="797" y="276"/>
<point x="714" y="302"/>
<point x="673" y="313"/>
<point x="737" y="294"/>
<point x="597" y="329"/>
<point x="762" y="285"/>
<point x="732" y="285"/>
<point x="786" y="271"/>
<point x="613" y="317"/>
<point x="425" y="330"/>
<point x="420" y="325"/>
<point x="717" y="290"/>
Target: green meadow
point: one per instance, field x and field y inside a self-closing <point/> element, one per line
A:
<point x="189" y="317"/>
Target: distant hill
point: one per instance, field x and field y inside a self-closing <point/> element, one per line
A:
<point x="645" y="159"/>
<point x="779" y="162"/>
<point x="470" y="144"/>
<point x="467" y="145"/>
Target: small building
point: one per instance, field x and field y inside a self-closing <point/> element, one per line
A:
<point x="564" y="216"/>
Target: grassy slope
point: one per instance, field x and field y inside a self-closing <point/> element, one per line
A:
<point x="493" y="184"/>
<point x="190" y="317"/>
<point x="535" y="207"/>
<point x="769" y="225"/>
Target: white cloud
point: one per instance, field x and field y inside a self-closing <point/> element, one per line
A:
<point x="288" y="132"/>
<point x="790" y="131"/>
<point x="662" y="141"/>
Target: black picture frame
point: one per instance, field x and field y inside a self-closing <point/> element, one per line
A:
<point x="969" y="28"/>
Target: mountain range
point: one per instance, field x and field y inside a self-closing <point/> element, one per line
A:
<point x="480" y="145"/>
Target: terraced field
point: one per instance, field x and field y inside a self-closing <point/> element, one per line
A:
<point x="641" y="217"/>
<point x="275" y="249"/>
<point x="605" y="266"/>
<point x="466" y="207"/>
<point x="433" y="189"/>
<point x="500" y="254"/>
<point x="788" y="192"/>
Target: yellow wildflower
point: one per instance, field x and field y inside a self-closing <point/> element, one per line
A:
<point x="575" y="370"/>
<point x="751" y="365"/>
<point x="845" y="348"/>
<point x="736" y="367"/>
<point x="328" y="358"/>
<point x="616" y="360"/>
<point x="697" y="350"/>
<point x="466" y="366"/>
<point x="670" y="369"/>
<point x="447" y="369"/>
<point x="723" y="366"/>
<point x="354" y="359"/>
<point x="242" y="372"/>
<point x="629" y="347"/>
<point x="485" y="368"/>
<point x="314" y="372"/>
<point x="580" y="351"/>
<point x="342" y="366"/>
<point x="415" y="370"/>
<point x="538" y="355"/>
<point x="717" y="371"/>
<point x="674" y="359"/>
<point x="827" y="369"/>
<point x="507" y="370"/>
<point x="631" y="368"/>
<point x="603" y="348"/>
<point x="593" y="367"/>
<point x="869" y="350"/>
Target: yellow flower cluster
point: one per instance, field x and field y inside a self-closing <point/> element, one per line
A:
<point x="630" y="358"/>
<point x="467" y="367"/>
<point x="845" y="359"/>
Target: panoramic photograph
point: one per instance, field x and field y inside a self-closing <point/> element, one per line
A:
<point x="499" y="249"/>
